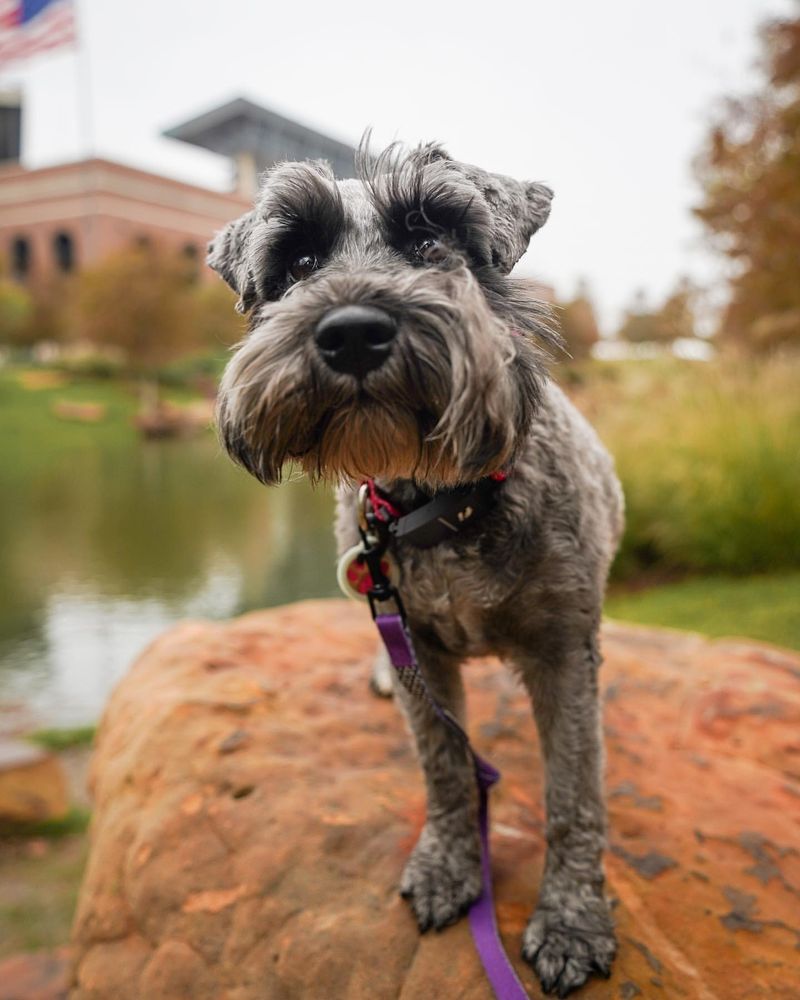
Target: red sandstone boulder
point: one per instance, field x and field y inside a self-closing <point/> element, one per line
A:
<point x="255" y="806"/>
<point x="33" y="786"/>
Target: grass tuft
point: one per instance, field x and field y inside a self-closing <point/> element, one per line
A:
<point x="75" y="821"/>
<point x="63" y="739"/>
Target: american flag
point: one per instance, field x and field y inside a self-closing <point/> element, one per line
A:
<point x="28" y="27"/>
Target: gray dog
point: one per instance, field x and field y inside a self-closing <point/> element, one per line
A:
<point x="387" y="341"/>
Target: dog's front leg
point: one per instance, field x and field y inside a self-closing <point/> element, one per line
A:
<point x="570" y="935"/>
<point x="443" y="875"/>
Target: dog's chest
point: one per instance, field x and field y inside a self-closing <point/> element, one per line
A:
<point x="447" y="592"/>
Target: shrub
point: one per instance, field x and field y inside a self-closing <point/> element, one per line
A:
<point x="145" y="303"/>
<point x="578" y="324"/>
<point x="16" y="313"/>
<point x="135" y="301"/>
<point x="217" y="325"/>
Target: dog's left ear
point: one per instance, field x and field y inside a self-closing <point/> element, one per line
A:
<point x="228" y="255"/>
<point x="518" y="209"/>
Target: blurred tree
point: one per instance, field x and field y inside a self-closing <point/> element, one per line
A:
<point x="136" y="300"/>
<point x="217" y="324"/>
<point x="578" y="323"/>
<point x="146" y="302"/>
<point x="16" y="314"/>
<point x="638" y="321"/>
<point x="750" y="173"/>
<point x="678" y="314"/>
<point x="674" y="319"/>
<point x="49" y="319"/>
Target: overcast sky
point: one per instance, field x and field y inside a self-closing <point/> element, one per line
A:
<point x="606" y="102"/>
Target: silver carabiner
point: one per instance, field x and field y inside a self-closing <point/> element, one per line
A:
<point x="363" y="500"/>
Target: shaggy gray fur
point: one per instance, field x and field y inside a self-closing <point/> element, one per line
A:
<point x="464" y="392"/>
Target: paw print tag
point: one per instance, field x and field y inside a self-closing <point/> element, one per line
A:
<point x="353" y="576"/>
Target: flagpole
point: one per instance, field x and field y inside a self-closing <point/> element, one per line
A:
<point x="85" y="108"/>
<point x="12" y="86"/>
<point x="84" y="83"/>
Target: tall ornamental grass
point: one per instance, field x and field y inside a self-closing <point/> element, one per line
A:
<point x="709" y="457"/>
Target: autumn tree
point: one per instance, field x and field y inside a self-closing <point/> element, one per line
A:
<point x="578" y="323"/>
<point x="217" y="324"/>
<point x="678" y="315"/>
<point x="16" y="314"/>
<point x="146" y="302"/>
<point x="135" y="300"/>
<point x="674" y="319"/>
<point x="750" y="174"/>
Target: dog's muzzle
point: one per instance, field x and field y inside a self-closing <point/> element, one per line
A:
<point x="354" y="340"/>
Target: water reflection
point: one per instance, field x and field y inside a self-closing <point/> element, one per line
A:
<point x="105" y="545"/>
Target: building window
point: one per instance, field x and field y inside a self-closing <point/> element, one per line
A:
<point x="64" y="252"/>
<point x="20" y="258"/>
<point x="192" y="257"/>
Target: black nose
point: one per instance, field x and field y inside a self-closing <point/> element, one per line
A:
<point x="355" y="340"/>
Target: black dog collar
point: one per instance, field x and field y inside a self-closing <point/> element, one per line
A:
<point x="443" y="517"/>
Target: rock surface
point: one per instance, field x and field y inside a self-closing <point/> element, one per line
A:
<point x="33" y="786"/>
<point x="255" y="805"/>
<point x="37" y="976"/>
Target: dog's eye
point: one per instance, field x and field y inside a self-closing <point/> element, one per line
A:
<point x="431" y="251"/>
<point x="302" y="266"/>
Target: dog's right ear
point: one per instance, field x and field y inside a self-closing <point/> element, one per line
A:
<point x="518" y="210"/>
<point x="228" y="255"/>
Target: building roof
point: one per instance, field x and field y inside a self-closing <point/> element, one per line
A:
<point x="96" y="169"/>
<point x="240" y="126"/>
<point x="97" y="188"/>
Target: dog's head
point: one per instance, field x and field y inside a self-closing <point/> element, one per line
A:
<point x="386" y="338"/>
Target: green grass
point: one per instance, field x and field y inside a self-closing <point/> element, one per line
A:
<point x="75" y="821"/>
<point x="758" y="607"/>
<point x="40" y="889"/>
<point x="26" y="415"/>
<point x="63" y="739"/>
<point x="41" y="865"/>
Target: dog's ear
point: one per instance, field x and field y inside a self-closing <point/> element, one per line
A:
<point x="228" y="256"/>
<point x="518" y="209"/>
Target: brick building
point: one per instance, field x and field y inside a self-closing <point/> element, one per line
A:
<point x="57" y="219"/>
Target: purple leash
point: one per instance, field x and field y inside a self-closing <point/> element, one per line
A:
<point x="482" y="922"/>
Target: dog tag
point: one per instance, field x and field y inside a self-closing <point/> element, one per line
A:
<point x="353" y="576"/>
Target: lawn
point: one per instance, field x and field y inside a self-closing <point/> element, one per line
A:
<point x="28" y="398"/>
<point x="758" y="607"/>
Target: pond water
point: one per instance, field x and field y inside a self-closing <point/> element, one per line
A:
<point x="106" y="539"/>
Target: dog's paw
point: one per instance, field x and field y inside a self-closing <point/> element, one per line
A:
<point x="381" y="683"/>
<point x="442" y="878"/>
<point x="568" y="940"/>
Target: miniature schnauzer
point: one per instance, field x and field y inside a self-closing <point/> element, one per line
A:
<point x="388" y="342"/>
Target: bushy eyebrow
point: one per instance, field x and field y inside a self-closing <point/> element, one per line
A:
<point x="301" y="209"/>
<point x="299" y="198"/>
<point x="410" y="199"/>
<point x="423" y="191"/>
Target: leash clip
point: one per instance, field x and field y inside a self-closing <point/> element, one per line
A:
<point x="374" y="533"/>
<point x="363" y="500"/>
